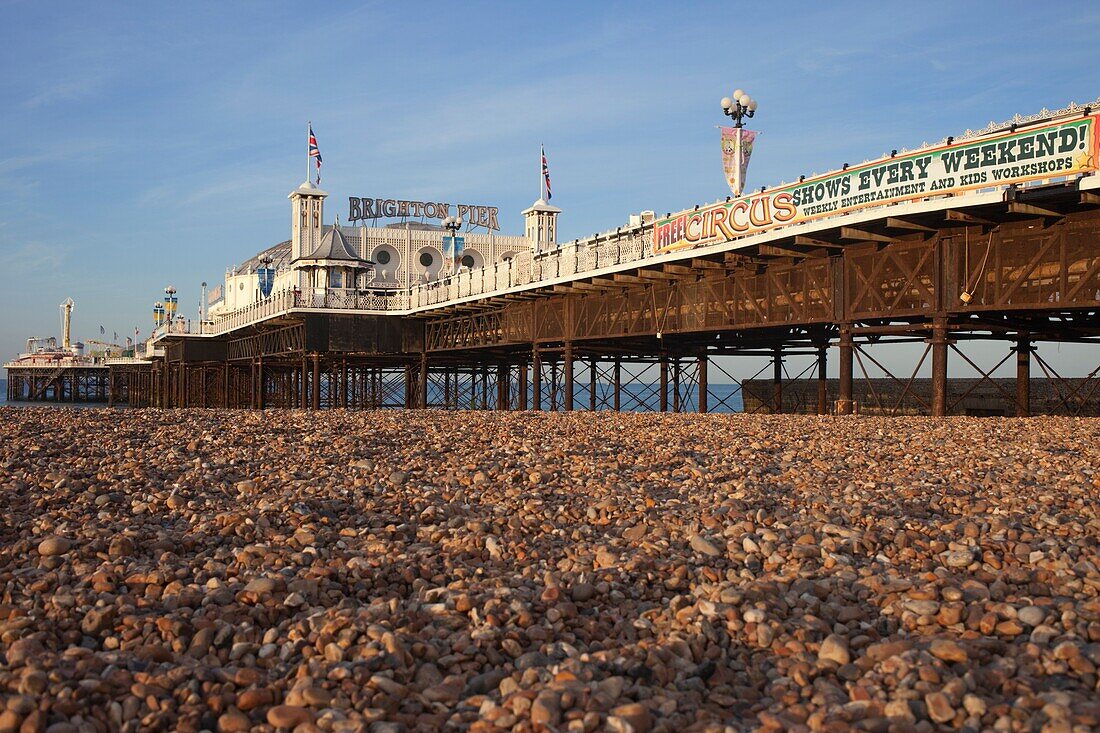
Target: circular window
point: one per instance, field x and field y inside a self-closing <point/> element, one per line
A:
<point x="382" y="257"/>
<point x="426" y="259"/>
<point x="468" y="261"/>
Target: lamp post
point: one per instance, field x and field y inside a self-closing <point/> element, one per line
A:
<point x="739" y="107"/>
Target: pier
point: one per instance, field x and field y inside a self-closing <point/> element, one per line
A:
<point x="653" y="303"/>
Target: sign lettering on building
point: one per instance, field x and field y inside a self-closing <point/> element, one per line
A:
<point x="1046" y="151"/>
<point x="360" y="209"/>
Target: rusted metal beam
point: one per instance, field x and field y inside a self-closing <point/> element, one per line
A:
<point x="965" y="218"/>
<point x="864" y="236"/>
<point x="1019" y="207"/>
<point x="804" y="241"/>
<point x="895" y="222"/>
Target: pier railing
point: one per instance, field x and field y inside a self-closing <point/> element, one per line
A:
<point x="607" y="250"/>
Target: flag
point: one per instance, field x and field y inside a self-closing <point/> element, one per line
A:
<point x="546" y="174"/>
<point x="102" y="331"/>
<point x="315" y="152"/>
<point x="737" y="144"/>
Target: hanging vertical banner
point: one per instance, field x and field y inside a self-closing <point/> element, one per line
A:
<point x="267" y="280"/>
<point x="453" y="249"/>
<point x="737" y="144"/>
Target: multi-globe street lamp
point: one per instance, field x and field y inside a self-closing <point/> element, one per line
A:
<point x="739" y="107"/>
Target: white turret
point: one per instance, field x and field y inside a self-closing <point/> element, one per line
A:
<point x="541" y="225"/>
<point x="307" y="213"/>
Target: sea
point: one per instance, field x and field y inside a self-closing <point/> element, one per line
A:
<point x="637" y="397"/>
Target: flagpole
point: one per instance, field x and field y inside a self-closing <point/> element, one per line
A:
<point x="542" y="182"/>
<point x="309" y="127"/>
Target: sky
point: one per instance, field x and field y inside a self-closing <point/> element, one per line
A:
<point x="148" y="144"/>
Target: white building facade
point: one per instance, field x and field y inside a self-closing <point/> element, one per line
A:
<point x="345" y="261"/>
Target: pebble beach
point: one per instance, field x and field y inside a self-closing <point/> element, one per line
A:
<point x="395" y="571"/>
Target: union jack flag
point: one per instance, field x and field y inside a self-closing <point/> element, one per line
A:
<point x="314" y="151"/>
<point x="546" y="174"/>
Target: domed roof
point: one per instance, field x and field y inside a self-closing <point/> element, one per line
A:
<point x="279" y="255"/>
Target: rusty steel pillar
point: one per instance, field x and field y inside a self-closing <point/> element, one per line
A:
<point x="822" y="381"/>
<point x="316" y="404"/>
<point x="422" y="386"/>
<point x="567" y="376"/>
<point x="536" y="379"/>
<point x="617" y="384"/>
<point x="521" y="385"/>
<point x="676" y="385"/>
<point x="702" y="368"/>
<point x="1023" y="351"/>
<point x="847" y="349"/>
<point x="260" y="384"/>
<point x="303" y="383"/>
<point x="777" y="381"/>
<point x="939" y="367"/>
<point x="503" y="384"/>
<point x="410" y="387"/>
<point x="664" y="384"/>
<point x="592" y="384"/>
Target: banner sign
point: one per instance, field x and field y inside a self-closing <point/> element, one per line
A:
<point x="215" y="295"/>
<point x="1044" y="151"/>
<point x="368" y="208"/>
<point x="267" y="279"/>
<point x="737" y="145"/>
<point x="453" y="249"/>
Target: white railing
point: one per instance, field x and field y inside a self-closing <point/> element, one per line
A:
<point x="601" y="252"/>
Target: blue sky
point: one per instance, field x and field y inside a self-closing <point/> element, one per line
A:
<point x="155" y="143"/>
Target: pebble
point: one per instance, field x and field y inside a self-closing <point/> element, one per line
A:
<point x="349" y="572"/>
<point x="1031" y="615"/>
<point x="948" y="651"/>
<point x="834" y="649"/>
<point x="939" y="707"/>
<point x="54" y="546"/>
<point x="288" y="716"/>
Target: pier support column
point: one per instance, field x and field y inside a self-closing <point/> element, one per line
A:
<point x="261" y="397"/>
<point x="344" y="383"/>
<point x="664" y="384"/>
<point x="777" y="381"/>
<point x="822" y="382"/>
<point x="522" y="385"/>
<point x="846" y="346"/>
<point x="567" y="375"/>
<point x="1023" y="374"/>
<point x="939" y="368"/>
<point x="422" y="387"/>
<point x="677" y="369"/>
<point x="536" y="379"/>
<point x="702" y="369"/>
<point x="592" y="384"/>
<point x="617" y="384"/>
<point x="503" y="384"/>
<point x="316" y="405"/>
